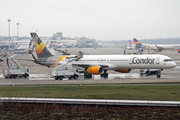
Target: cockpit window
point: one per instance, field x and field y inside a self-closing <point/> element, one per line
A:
<point x="166" y="60"/>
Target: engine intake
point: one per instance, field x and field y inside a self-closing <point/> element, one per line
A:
<point x="95" y="70"/>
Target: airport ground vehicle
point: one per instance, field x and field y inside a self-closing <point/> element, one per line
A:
<point x="14" y="69"/>
<point x="64" y="71"/>
<point x="178" y="50"/>
<point x="14" y="73"/>
<point x="151" y="72"/>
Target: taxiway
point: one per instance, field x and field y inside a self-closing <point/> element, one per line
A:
<point x="40" y="74"/>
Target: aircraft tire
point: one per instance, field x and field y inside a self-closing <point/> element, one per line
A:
<point x="60" y="78"/>
<point x="75" y="76"/>
<point x="102" y="75"/>
<point x="25" y="76"/>
<point x="158" y="76"/>
<point x="87" y="76"/>
<point x="15" y="76"/>
<point x="106" y="75"/>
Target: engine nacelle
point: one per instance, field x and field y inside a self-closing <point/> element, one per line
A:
<point x="123" y="70"/>
<point x="95" y="70"/>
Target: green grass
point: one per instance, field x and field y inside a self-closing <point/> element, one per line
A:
<point x="108" y="84"/>
<point x="158" y="92"/>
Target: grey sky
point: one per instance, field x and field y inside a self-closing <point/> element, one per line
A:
<point x="100" y="19"/>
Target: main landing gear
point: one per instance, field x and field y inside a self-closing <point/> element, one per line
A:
<point x="159" y="74"/>
<point x="104" y="75"/>
<point x="88" y="76"/>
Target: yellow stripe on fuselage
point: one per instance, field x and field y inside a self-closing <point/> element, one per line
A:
<point x="146" y="46"/>
<point x="59" y="59"/>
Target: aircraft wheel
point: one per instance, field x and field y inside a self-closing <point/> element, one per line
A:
<point x="76" y="76"/>
<point x="105" y="75"/>
<point x="60" y="78"/>
<point x="158" y="76"/>
<point x="25" y="76"/>
<point x="102" y="75"/>
<point x="90" y="76"/>
<point x="87" y="76"/>
<point x="15" y="76"/>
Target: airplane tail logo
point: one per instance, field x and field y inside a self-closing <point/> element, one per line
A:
<point x="40" y="48"/>
<point x="136" y="42"/>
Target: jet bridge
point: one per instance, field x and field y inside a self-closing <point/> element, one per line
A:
<point x="13" y="69"/>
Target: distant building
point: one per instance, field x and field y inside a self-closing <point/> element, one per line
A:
<point x="56" y="38"/>
<point x="83" y="42"/>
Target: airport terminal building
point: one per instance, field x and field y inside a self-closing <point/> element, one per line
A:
<point x="57" y="38"/>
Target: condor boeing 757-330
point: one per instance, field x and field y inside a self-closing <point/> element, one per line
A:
<point x="100" y="64"/>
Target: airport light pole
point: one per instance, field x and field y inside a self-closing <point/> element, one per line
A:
<point x="9" y="20"/>
<point x="17" y="33"/>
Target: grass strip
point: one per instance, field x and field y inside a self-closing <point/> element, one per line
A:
<point x="163" y="93"/>
<point x="105" y="84"/>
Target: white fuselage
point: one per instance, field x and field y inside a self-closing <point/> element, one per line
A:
<point x="169" y="46"/>
<point x="114" y="62"/>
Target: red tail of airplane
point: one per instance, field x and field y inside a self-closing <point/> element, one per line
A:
<point x="130" y="42"/>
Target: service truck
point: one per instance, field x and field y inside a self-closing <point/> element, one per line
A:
<point x="148" y="72"/>
<point x="14" y="73"/>
<point x="64" y="72"/>
<point x="13" y="69"/>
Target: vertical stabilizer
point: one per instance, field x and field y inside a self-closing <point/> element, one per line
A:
<point x="137" y="43"/>
<point x="40" y="48"/>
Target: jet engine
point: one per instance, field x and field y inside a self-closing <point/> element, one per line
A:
<point x="95" y="70"/>
<point x="123" y="70"/>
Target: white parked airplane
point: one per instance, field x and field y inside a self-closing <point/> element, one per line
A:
<point x="156" y="47"/>
<point x="100" y="64"/>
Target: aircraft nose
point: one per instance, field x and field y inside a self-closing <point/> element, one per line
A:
<point x="173" y="64"/>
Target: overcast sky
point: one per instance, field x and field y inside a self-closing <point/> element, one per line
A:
<point x="99" y="19"/>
